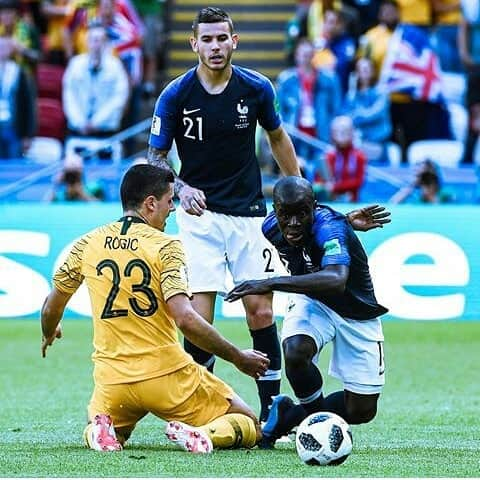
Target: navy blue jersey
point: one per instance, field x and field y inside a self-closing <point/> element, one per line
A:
<point x="215" y="137"/>
<point x="333" y="242"/>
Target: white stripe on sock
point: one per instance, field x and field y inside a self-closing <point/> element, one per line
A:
<point x="271" y="375"/>
<point x="311" y="398"/>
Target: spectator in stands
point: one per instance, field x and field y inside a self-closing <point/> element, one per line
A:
<point x="426" y="187"/>
<point x="296" y="29"/>
<point x="336" y="48"/>
<point x="152" y="14"/>
<point x="56" y="13"/>
<point x="469" y="47"/>
<point x="366" y="12"/>
<point x="85" y="11"/>
<point x="17" y="107"/>
<point x="374" y="43"/>
<point x="124" y="38"/>
<point x="447" y="16"/>
<point x="346" y="164"/>
<point x="308" y="99"/>
<point x="25" y="37"/>
<point x="416" y="12"/>
<point x="69" y="185"/>
<point x="368" y="105"/>
<point x="95" y="89"/>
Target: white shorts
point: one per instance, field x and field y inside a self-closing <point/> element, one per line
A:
<point x="225" y="250"/>
<point x="357" y="357"/>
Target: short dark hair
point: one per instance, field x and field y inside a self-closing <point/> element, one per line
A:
<point x="291" y="189"/>
<point x="141" y="181"/>
<point x="211" y="15"/>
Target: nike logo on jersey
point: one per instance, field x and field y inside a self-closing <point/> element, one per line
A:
<point x="188" y="112"/>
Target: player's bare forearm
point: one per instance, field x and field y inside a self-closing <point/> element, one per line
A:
<point x="158" y="158"/>
<point x="284" y="152"/>
<point x="50" y="318"/>
<point x="202" y="334"/>
<point x="331" y="280"/>
<point x="51" y="314"/>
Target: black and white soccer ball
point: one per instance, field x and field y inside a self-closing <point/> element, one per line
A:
<point x="324" y="438"/>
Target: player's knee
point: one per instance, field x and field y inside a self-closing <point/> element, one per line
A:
<point x="260" y="317"/>
<point x="297" y="352"/>
<point x="361" y="413"/>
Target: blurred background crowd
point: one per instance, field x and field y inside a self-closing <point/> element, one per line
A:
<point x="381" y="97"/>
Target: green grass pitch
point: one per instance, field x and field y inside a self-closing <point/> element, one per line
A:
<point x="427" y="425"/>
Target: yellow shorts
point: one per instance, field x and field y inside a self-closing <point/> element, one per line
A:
<point x="191" y="395"/>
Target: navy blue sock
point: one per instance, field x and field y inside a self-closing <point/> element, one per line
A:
<point x="307" y="385"/>
<point x="266" y="340"/>
<point x="200" y="356"/>
<point x="335" y="403"/>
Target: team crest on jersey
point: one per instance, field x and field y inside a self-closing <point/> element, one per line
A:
<point x="242" y="110"/>
<point x="309" y="266"/>
<point x="156" y="122"/>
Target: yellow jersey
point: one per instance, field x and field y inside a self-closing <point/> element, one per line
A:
<point x="131" y="270"/>
<point x="416" y="12"/>
<point x="451" y="17"/>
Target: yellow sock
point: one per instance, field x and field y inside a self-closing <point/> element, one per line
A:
<point x="232" y="430"/>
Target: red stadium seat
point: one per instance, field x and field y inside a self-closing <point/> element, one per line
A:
<point x="49" y="80"/>
<point x="51" y="119"/>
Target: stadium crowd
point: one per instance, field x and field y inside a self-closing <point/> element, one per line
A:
<point x="368" y="79"/>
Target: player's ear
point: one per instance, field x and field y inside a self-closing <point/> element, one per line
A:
<point x="235" y="40"/>
<point x="149" y="203"/>
<point x="193" y="44"/>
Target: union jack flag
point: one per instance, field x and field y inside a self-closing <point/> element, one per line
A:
<point x="411" y="66"/>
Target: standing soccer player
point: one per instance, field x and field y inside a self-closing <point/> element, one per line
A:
<point x="212" y="112"/>
<point x="137" y="282"/>
<point x="332" y="300"/>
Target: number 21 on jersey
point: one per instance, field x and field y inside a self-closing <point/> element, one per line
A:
<point x="193" y="128"/>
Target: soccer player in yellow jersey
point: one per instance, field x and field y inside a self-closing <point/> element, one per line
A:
<point x="137" y="282"/>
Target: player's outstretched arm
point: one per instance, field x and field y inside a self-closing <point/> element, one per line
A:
<point x="192" y="200"/>
<point x="202" y="334"/>
<point x="332" y="280"/>
<point x="52" y="313"/>
<point x="367" y="218"/>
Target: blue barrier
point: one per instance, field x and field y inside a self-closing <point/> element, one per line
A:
<point x="425" y="264"/>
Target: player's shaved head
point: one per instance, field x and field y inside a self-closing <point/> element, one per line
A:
<point x="292" y="190"/>
<point x="211" y="15"/>
<point x="141" y="181"/>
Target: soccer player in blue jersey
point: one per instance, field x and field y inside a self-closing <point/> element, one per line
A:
<point x="212" y="112"/>
<point x="332" y="300"/>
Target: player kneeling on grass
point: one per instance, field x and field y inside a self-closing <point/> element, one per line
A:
<point x="332" y="300"/>
<point x="137" y="282"/>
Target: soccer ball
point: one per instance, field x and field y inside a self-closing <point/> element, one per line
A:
<point x="324" y="438"/>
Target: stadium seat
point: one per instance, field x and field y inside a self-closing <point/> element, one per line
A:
<point x="49" y="80"/>
<point x="446" y="153"/>
<point x="45" y="150"/>
<point x="458" y="120"/>
<point x="51" y="119"/>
